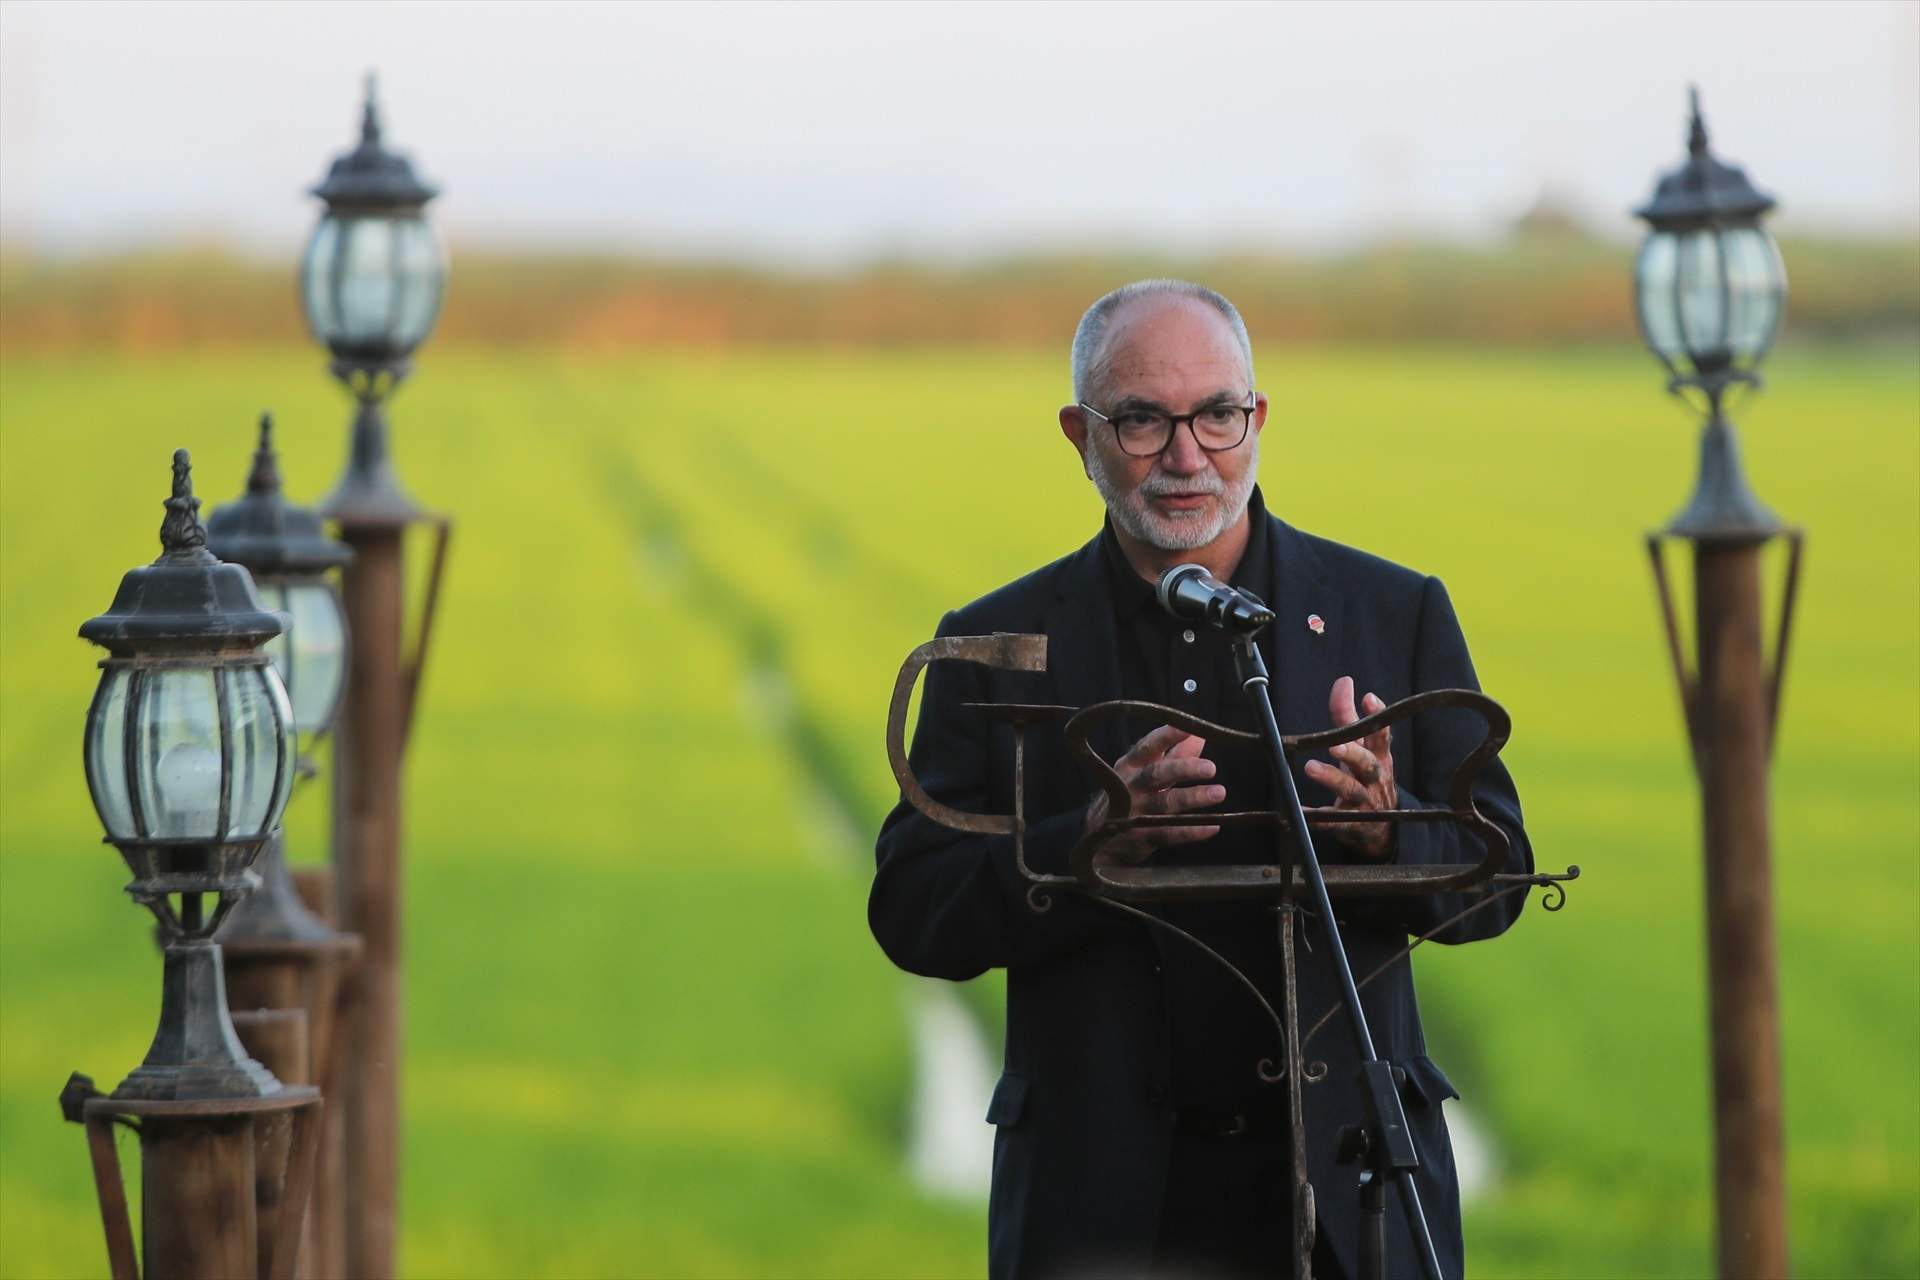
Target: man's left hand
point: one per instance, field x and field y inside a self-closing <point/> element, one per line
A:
<point x="1364" y="780"/>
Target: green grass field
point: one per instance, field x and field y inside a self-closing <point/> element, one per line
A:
<point x="647" y="1031"/>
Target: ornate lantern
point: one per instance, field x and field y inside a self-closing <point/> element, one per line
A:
<point x="371" y="283"/>
<point x="289" y="554"/>
<point x="1710" y="288"/>
<point x="189" y="757"/>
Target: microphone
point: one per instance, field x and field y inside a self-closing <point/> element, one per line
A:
<point x="1189" y="592"/>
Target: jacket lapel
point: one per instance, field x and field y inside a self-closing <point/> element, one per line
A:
<point x="1083" y="648"/>
<point x="1302" y="663"/>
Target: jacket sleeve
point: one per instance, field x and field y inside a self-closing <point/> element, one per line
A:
<point x="1441" y="740"/>
<point x="947" y="904"/>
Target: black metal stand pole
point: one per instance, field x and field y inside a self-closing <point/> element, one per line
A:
<point x="1373" y="1224"/>
<point x="1389" y="1142"/>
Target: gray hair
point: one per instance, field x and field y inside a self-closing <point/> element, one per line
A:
<point x="1089" y="356"/>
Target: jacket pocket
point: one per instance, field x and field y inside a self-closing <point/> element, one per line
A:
<point x="1426" y="1084"/>
<point x="1009" y="1101"/>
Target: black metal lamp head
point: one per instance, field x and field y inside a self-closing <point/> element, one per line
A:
<point x="187" y="600"/>
<point x="1710" y="288"/>
<point x="286" y="548"/>
<point x="189" y="757"/>
<point x="371" y="282"/>
<point x="373" y="275"/>
<point x="1709" y="285"/>
<point x="189" y="742"/>
<point x="371" y="177"/>
<point x="290" y="555"/>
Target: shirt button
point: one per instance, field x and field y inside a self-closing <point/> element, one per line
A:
<point x="1187" y="636"/>
<point x="1190" y="685"/>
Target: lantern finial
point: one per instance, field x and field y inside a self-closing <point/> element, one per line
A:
<point x="180" y="533"/>
<point x="370" y="115"/>
<point x="265" y="477"/>
<point x="1696" y="127"/>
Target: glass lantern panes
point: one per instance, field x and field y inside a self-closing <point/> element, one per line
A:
<point x="372" y="282"/>
<point x="262" y="748"/>
<point x="107" y="754"/>
<point x="190" y="752"/>
<point x="1700" y="298"/>
<point x="312" y="656"/>
<point x="1710" y="297"/>
<point x="1654" y="295"/>
<point x="1756" y="291"/>
<point x="176" y="764"/>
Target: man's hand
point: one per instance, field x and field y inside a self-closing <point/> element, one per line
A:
<point x="1164" y="774"/>
<point x="1364" y="780"/>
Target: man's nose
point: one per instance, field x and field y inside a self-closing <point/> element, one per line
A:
<point x="1183" y="454"/>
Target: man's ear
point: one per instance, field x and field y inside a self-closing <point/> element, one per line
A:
<point x="1259" y="411"/>
<point x="1073" y="425"/>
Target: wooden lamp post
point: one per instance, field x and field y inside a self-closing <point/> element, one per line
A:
<point x="1710" y="291"/>
<point x="371" y="283"/>
<point x="189" y="758"/>
<point x="284" y="964"/>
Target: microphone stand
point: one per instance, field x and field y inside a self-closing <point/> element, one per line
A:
<point x="1386" y="1144"/>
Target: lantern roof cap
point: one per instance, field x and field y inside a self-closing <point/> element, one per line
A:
<point x="1703" y="189"/>
<point x="188" y="599"/>
<point x="370" y="176"/>
<point x="263" y="531"/>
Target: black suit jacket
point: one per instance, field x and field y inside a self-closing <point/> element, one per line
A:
<point x="1083" y="1132"/>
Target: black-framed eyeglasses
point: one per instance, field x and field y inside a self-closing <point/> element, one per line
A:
<point x="1146" y="433"/>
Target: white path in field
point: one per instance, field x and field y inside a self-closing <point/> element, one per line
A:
<point x="950" y="1143"/>
<point x="830" y="833"/>
<point x="1473" y="1154"/>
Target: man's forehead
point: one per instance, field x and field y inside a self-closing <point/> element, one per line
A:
<point x="1170" y="342"/>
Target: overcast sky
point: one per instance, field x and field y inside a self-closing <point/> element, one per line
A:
<point x="820" y="133"/>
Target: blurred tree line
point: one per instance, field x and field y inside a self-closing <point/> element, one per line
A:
<point x="1549" y="283"/>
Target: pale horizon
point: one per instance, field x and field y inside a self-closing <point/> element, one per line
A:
<point x="823" y="135"/>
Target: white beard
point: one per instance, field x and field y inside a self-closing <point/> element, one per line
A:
<point x="1184" y="530"/>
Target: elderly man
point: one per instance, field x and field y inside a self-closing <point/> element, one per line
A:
<point x="1135" y="1134"/>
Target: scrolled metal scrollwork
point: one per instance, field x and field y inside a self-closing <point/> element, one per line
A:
<point x="1147" y="882"/>
<point x="1265" y="1066"/>
<point x="1554" y="896"/>
<point x="1513" y="883"/>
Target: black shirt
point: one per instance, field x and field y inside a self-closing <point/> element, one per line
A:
<point x="1217" y="1033"/>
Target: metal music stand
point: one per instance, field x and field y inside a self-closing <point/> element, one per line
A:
<point x="1281" y="883"/>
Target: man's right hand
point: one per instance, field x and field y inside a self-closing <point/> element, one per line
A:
<point x="1164" y="774"/>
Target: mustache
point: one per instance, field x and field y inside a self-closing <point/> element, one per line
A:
<point x="1156" y="486"/>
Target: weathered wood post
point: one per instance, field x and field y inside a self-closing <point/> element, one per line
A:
<point x="277" y="1038"/>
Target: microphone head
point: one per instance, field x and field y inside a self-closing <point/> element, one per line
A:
<point x="1170" y="582"/>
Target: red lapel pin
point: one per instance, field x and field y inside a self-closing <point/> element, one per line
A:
<point x="1316" y="624"/>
